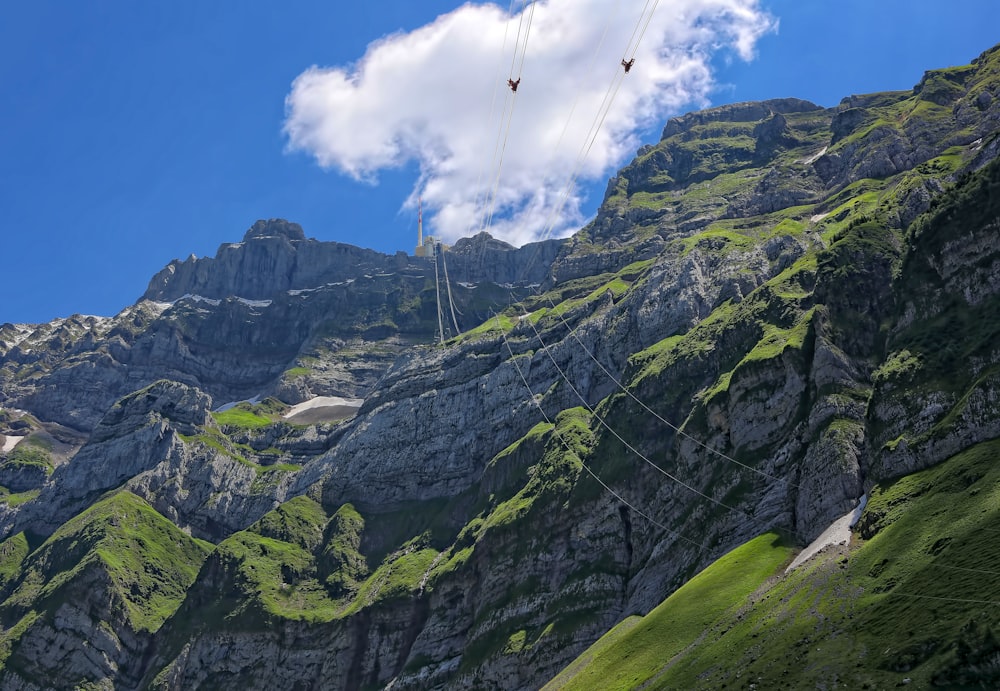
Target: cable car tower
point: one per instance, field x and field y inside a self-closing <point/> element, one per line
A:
<point x="430" y="247"/>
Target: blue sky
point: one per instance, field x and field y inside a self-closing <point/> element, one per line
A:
<point x="132" y="133"/>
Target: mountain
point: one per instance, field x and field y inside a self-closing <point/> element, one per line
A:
<point x="270" y="473"/>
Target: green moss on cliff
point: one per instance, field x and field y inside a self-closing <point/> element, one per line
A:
<point x="13" y="551"/>
<point x="299" y="521"/>
<point x="242" y="415"/>
<point x="272" y="578"/>
<point x="140" y="558"/>
<point x="914" y="600"/>
<point x="342" y="565"/>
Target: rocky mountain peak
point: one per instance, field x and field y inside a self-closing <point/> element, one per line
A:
<point x="778" y="310"/>
<point x="751" y="111"/>
<point x="275" y="227"/>
<point x="183" y="405"/>
<point x="478" y="243"/>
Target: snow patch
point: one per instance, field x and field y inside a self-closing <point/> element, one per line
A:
<point x="10" y="441"/>
<point x="153" y="305"/>
<point x="232" y="404"/>
<point x="838" y="533"/>
<point x="255" y="303"/>
<point x="815" y="157"/>
<point x="323" y="402"/>
<point x="21" y="332"/>
<point x="200" y="298"/>
<point x="300" y="291"/>
<point x="467" y="285"/>
<point x="818" y="217"/>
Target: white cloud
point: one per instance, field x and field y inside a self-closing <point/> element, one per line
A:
<point x="426" y="96"/>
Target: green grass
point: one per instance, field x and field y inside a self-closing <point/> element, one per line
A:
<point x="242" y="415"/>
<point x="30" y="455"/>
<point x="898" y="365"/>
<point x="19" y="498"/>
<point x="772" y="344"/>
<point x="13" y="551"/>
<point x="148" y="561"/>
<point x="715" y="238"/>
<point x="299" y="521"/>
<point x="776" y="340"/>
<point x="789" y="226"/>
<point x="548" y="480"/>
<point x="916" y="599"/>
<point x="398" y="576"/>
<point x="342" y="565"/>
<point x="638" y="649"/>
<point x="275" y="578"/>
<point x="798" y="280"/>
<point x="499" y="324"/>
<point x="217" y="440"/>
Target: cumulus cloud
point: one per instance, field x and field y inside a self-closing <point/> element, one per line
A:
<point x="438" y="96"/>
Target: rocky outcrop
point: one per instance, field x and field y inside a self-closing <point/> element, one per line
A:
<point x="776" y="306"/>
<point x="275" y="314"/>
<point x="275" y="257"/>
<point x="943" y="332"/>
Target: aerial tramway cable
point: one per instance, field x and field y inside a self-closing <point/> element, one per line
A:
<point x="504" y="133"/>
<point x="679" y="431"/>
<point x="451" y="302"/>
<point x="620" y="438"/>
<point x="437" y="288"/>
<point x="600" y="117"/>
<point x="569" y="448"/>
<point x="589" y="70"/>
<point x="493" y="100"/>
<point x="627" y="61"/>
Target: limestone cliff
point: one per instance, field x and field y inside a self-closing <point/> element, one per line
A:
<point x="777" y="306"/>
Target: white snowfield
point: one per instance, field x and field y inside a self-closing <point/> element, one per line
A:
<point x="10" y="441"/>
<point x="300" y="291"/>
<point x="255" y="303"/>
<point x="838" y="533"/>
<point x="323" y="402"/>
<point x="815" y="157"/>
<point x="232" y="404"/>
<point x="198" y="298"/>
<point x="163" y="306"/>
<point x="21" y="332"/>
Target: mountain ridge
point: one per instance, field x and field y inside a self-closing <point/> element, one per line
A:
<point x="755" y="330"/>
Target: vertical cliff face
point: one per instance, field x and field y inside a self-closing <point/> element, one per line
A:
<point x="777" y="306"/>
<point x="936" y="391"/>
<point x="276" y="314"/>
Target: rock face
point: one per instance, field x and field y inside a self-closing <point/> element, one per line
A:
<point x="776" y="306"/>
<point x="274" y="314"/>
<point x="276" y="257"/>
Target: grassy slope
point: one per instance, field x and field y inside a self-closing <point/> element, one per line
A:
<point x="916" y="600"/>
<point x="640" y="648"/>
<point x="149" y="561"/>
<point x="297" y="564"/>
<point x="119" y="555"/>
